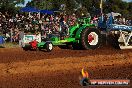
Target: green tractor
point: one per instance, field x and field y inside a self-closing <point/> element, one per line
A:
<point x="83" y="35"/>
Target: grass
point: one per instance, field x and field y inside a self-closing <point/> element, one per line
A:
<point x="9" y="45"/>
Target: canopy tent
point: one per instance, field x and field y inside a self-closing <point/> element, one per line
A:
<point x="46" y="12"/>
<point x="32" y="9"/>
<point x="29" y="9"/>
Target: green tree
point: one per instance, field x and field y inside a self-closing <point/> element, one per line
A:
<point x="92" y="6"/>
<point x="10" y="6"/>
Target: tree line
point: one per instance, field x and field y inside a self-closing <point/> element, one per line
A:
<point x="70" y="6"/>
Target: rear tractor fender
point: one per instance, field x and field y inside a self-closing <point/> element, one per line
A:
<point x="79" y="31"/>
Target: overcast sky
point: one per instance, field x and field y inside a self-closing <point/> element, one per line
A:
<point x="26" y="1"/>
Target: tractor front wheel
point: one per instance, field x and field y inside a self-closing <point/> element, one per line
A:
<point x="49" y="46"/>
<point x="90" y="38"/>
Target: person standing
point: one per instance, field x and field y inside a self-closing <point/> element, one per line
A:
<point x="21" y="36"/>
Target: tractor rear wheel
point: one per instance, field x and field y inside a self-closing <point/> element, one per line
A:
<point x="90" y="38"/>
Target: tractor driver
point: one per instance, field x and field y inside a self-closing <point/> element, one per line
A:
<point x="63" y="26"/>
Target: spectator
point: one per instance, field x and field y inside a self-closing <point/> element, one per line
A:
<point x="21" y="36"/>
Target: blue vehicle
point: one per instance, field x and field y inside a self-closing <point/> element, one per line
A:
<point x="120" y="36"/>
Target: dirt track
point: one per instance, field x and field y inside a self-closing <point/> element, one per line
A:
<point x="61" y="68"/>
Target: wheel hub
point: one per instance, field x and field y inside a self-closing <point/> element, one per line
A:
<point x="50" y="46"/>
<point x="90" y="38"/>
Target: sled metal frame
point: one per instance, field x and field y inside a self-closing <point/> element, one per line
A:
<point x="121" y="29"/>
<point x="126" y="40"/>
